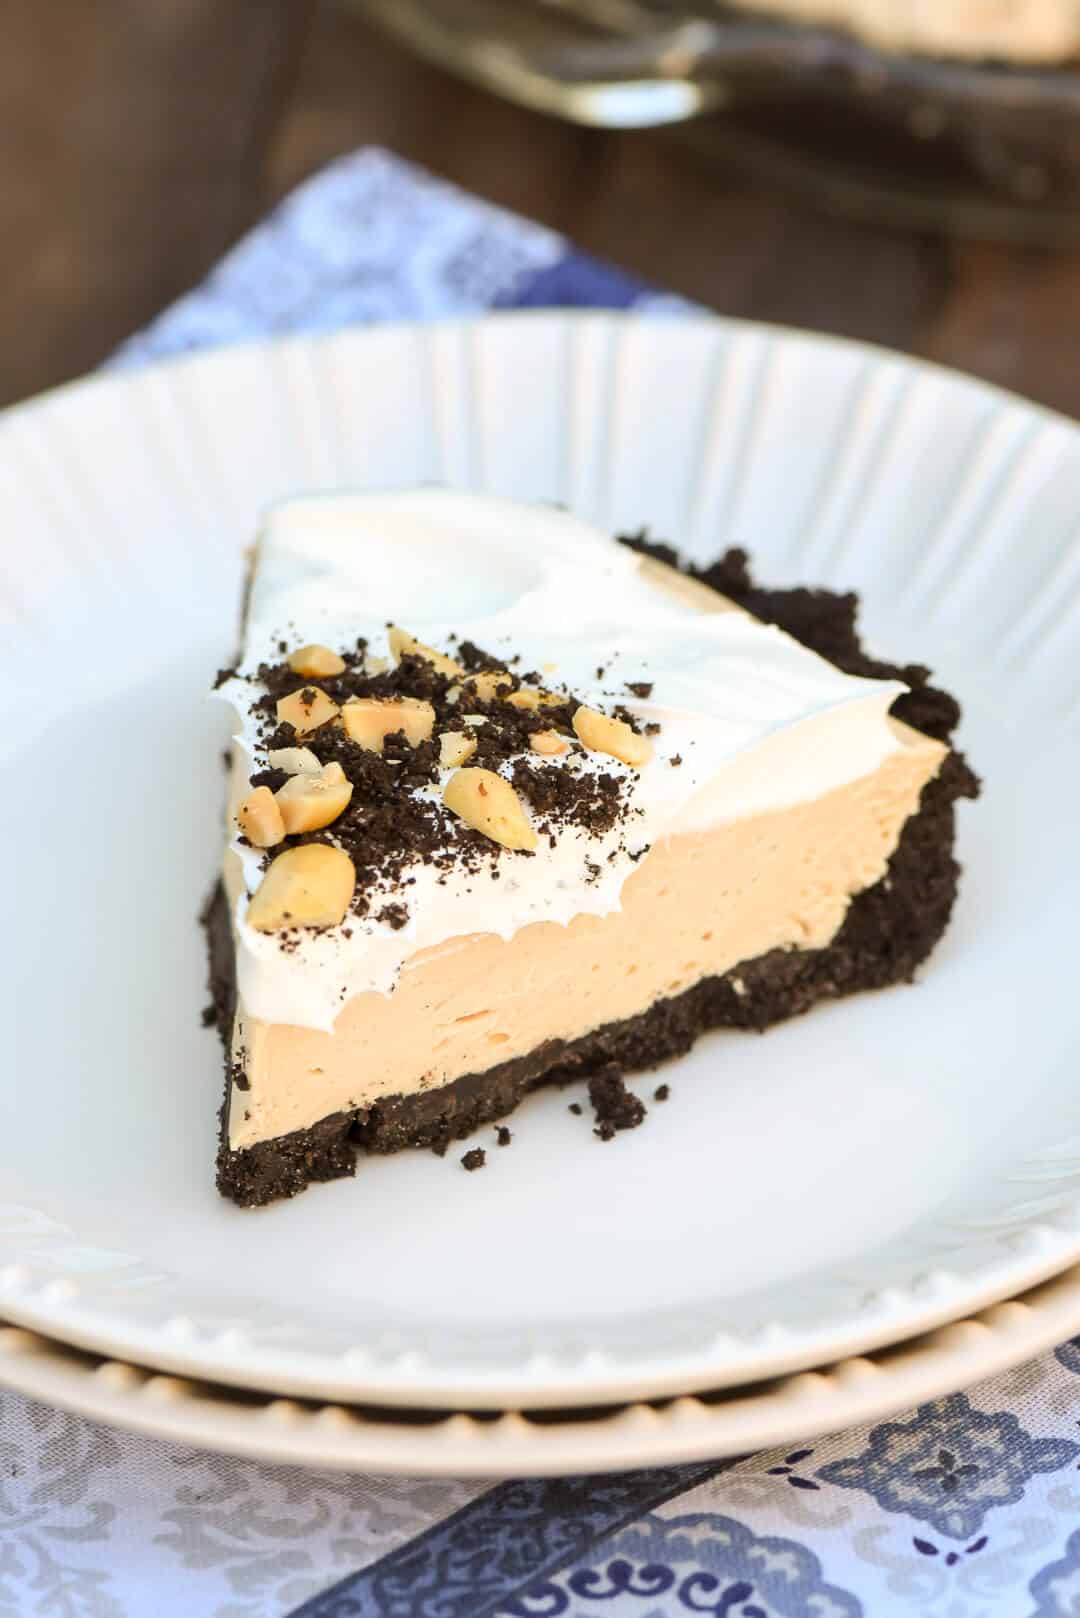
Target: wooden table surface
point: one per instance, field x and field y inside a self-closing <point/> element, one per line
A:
<point x="143" y="136"/>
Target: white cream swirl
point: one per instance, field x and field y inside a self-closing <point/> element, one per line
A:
<point x="757" y="721"/>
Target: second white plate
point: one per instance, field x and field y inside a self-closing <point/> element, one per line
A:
<point x="508" y="1444"/>
<point x="853" y="1178"/>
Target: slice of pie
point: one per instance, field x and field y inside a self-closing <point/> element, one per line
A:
<point x="512" y="802"/>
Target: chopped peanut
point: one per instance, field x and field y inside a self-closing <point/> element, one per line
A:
<point x="602" y="734"/>
<point x="404" y="645"/>
<point x="306" y="710"/>
<point x="309" y="886"/>
<point x="309" y="802"/>
<point x="368" y="721"/>
<point x="293" y="760"/>
<point x="490" y="805"/>
<point x="533" y="697"/>
<point x="548" y="742"/>
<point x="260" y="819"/>
<point x="316" y="662"/>
<point x="487" y="685"/>
<point x="375" y="665"/>
<point x="454" y="748"/>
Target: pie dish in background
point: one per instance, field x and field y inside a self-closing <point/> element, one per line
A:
<point x="864" y="119"/>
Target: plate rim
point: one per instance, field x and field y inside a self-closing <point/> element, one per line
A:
<point x="852" y="1392"/>
<point x="55" y="1310"/>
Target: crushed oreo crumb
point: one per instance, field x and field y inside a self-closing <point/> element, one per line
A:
<point x="675" y="760"/>
<point x="274" y="779"/>
<point x="576" y="1108"/>
<point x="615" y="1106"/>
<point x="474" y="1159"/>
<point x="662" y="1092"/>
<point x="640" y="688"/>
<point x="394" y="915"/>
<point x="503" y="1137"/>
<point x="594" y="802"/>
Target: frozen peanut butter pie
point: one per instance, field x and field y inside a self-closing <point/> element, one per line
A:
<point x="513" y="802"/>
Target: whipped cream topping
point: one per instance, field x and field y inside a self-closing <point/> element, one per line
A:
<point x="755" y="721"/>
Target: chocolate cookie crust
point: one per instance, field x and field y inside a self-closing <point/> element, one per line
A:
<point x="888" y="932"/>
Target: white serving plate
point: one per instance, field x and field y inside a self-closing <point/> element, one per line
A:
<point x="851" y="1179"/>
<point x="508" y="1444"/>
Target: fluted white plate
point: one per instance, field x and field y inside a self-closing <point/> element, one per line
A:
<point x="511" y="1443"/>
<point x="863" y="1174"/>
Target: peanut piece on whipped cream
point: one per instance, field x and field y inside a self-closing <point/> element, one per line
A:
<point x="309" y="802"/>
<point x="260" y="819"/>
<point x="309" y="886"/>
<point x="294" y="760"/>
<point x="488" y="803"/>
<point x="307" y="709"/>
<point x="486" y="685"/>
<point x="526" y="697"/>
<point x="602" y="734"/>
<point x="405" y="645"/>
<point x="454" y="748"/>
<point x="532" y="697"/>
<point x="368" y="721"/>
<point x="548" y="743"/>
<point x="316" y="662"/>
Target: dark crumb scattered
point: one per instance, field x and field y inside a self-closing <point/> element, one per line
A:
<point x="274" y="779"/>
<point x="394" y="915"/>
<point x="441" y="1145"/>
<point x="652" y="728"/>
<point x="662" y="1092"/>
<point x="239" y="1077"/>
<point x="503" y="1136"/>
<point x="223" y="675"/>
<point x="594" y="802"/>
<point x="640" y="688"/>
<point x="209" y="1015"/>
<point x="675" y="760"/>
<point x="575" y="1108"/>
<point x="600" y="673"/>
<point x="475" y="1159"/>
<point x="615" y="1106"/>
<point x="283" y="647"/>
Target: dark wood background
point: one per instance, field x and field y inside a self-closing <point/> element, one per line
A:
<point x="141" y="137"/>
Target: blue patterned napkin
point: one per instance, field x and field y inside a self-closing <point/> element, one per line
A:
<point x="966" y="1508"/>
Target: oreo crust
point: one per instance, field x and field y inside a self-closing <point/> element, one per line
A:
<point x="889" y="930"/>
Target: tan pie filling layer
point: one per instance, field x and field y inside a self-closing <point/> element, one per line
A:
<point x="696" y="906"/>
